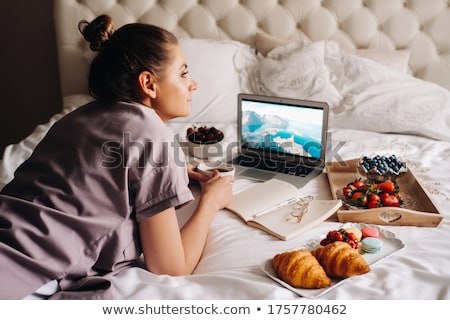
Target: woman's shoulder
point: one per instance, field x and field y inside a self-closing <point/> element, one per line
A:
<point x="119" y="122"/>
<point x="142" y="122"/>
<point x="123" y="115"/>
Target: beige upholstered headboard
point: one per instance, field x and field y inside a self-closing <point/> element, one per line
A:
<point x="421" y="26"/>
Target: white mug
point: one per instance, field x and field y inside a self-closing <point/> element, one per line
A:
<point x="207" y="169"/>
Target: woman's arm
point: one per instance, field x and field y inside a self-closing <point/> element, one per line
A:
<point x="167" y="250"/>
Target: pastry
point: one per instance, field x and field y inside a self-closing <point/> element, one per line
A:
<point x="340" y="260"/>
<point x="300" y="269"/>
<point x="371" y="245"/>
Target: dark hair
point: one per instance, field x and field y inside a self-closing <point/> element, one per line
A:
<point x="122" y="55"/>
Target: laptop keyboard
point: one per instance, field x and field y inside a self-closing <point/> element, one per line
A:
<point x="273" y="165"/>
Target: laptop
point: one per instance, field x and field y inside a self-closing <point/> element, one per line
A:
<point x="280" y="138"/>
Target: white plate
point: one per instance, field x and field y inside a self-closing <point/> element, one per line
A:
<point x="391" y="244"/>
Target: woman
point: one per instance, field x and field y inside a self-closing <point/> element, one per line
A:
<point x="103" y="185"/>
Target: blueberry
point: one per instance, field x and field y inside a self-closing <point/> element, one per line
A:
<point x="382" y="164"/>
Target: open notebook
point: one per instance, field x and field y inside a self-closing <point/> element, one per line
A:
<point x="279" y="208"/>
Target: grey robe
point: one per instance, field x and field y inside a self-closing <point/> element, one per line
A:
<point x="72" y="209"/>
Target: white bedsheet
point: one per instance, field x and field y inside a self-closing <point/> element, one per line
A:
<point x="230" y="267"/>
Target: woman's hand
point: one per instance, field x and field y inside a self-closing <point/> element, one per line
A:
<point x="218" y="190"/>
<point x="194" y="174"/>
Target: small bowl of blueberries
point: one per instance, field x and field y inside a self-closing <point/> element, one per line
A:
<point x="379" y="168"/>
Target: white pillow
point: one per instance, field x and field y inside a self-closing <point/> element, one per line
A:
<point x="216" y="66"/>
<point x="380" y="99"/>
<point x="396" y="59"/>
<point x="362" y="93"/>
<point x="297" y="71"/>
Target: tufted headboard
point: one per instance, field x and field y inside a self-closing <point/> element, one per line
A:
<point x="420" y="26"/>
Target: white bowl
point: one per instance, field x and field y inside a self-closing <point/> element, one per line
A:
<point x="205" y="151"/>
<point x="205" y="146"/>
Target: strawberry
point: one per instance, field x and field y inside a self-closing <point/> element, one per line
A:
<point x="391" y="201"/>
<point x="359" y="185"/>
<point x="387" y="186"/>
<point x="359" y="199"/>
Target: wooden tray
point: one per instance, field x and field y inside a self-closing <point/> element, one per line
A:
<point x="421" y="212"/>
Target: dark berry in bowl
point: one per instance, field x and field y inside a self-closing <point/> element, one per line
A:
<point x="204" y="135"/>
<point x="380" y="168"/>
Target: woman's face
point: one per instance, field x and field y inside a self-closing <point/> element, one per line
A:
<point x="174" y="88"/>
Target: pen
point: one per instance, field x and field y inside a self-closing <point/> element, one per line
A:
<point x="277" y="206"/>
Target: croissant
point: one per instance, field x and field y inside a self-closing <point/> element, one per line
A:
<point x="300" y="269"/>
<point x="340" y="260"/>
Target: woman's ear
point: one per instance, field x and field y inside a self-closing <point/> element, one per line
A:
<point x="147" y="84"/>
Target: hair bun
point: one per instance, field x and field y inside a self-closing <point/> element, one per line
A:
<point x="97" y="32"/>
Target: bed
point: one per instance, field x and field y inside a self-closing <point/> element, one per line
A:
<point x="383" y="68"/>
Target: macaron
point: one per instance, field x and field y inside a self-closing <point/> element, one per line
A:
<point x="370" y="232"/>
<point x="356" y="232"/>
<point x="371" y="245"/>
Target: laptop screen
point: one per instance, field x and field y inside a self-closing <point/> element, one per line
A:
<point x="285" y="129"/>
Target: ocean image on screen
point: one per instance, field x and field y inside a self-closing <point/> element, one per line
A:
<point x="282" y="129"/>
